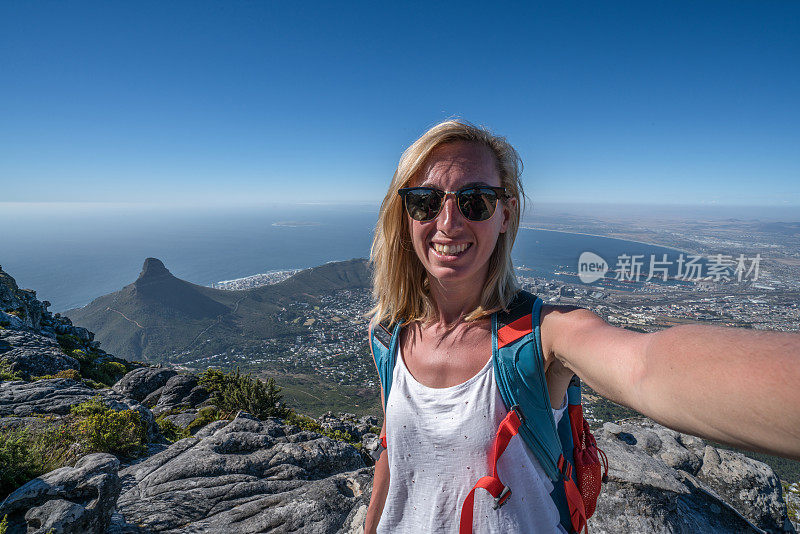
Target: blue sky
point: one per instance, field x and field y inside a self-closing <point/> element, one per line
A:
<point x="228" y="103"/>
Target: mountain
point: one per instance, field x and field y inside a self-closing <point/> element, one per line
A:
<point x="172" y="460"/>
<point x="160" y="316"/>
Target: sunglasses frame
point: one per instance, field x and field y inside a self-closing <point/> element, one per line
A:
<point x="442" y="194"/>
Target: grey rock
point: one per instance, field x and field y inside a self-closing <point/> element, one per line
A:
<point x="143" y="381"/>
<point x="22" y="302"/>
<point x="750" y="486"/>
<point x="612" y="428"/>
<point x="347" y="423"/>
<point x="31" y="354"/>
<point x="663" y="481"/>
<point x="180" y="391"/>
<point x="183" y="419"/>
<point x="51" y="396"/>
<point x="56" y="396"/>
<point x="371" y="445"/>
<point x="76" y="499"/>
<point x="152" y="399"/>
<point x="244" y="476"/>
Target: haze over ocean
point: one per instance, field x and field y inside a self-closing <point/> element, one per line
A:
<point x="73" y="259"/>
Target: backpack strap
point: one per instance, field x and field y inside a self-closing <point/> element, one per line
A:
<point x="383" y="339"/>
<point x="519" y="372"/>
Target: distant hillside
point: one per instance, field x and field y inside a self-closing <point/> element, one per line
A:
<point x="159" y="316"/>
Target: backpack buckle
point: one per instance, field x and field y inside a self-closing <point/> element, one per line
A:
<point x="501" y="499"/>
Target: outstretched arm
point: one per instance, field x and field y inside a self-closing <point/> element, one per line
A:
<point x="731" y="385"/>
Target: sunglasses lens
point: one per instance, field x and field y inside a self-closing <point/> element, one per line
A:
<point x="422" y="204"/>
<point x="477" y="204"/>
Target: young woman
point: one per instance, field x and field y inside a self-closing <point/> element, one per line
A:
<point x="442" y="266"/>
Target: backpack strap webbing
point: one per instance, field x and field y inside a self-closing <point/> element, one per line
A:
<point x="383" y="339"/>
<point x="519" y="372"/>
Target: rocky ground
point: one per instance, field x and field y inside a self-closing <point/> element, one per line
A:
<point x="295" y="474"/>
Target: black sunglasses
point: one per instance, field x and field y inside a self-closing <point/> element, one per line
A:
<point x="476" y="203"/>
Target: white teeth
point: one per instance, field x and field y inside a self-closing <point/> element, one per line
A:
<point x="450" y="250"/>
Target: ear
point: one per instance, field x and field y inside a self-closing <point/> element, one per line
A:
<point x="509" y="206"/>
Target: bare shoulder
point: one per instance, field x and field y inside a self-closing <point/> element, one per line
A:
<point x="563" y="322"/>
<point x="606" y="357"/>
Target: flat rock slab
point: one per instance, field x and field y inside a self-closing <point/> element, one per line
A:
<point x="662" y="481"/>
<point x="77" y="499"/>
<point x="56" y="396"/>
<point x="31" y="354"/>
<point x="180" y="391"/>
<point x="246" y="476"/>
<point x="143" y="381"/>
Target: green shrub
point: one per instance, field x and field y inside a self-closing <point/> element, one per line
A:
<point x="791" y="508"/>
<point x="26" y="454"/>
<point x="206" y="415"/>
<point x="68" y="342"/>
<point x="94" y="385"/>
<point x="232" y="392"/>
<point x="101" y="429"/>
<point x="104" y="372"/>
<point x="307" y="423"/>
<point x="66" y="373"/>
<point x="304" y="422"/>
<point x="338" y="435"/>
<point x="170" y="430"/>
<point x="4" y="524"/>
<point x="6" y="373"/>
<point x="69" y="373"/>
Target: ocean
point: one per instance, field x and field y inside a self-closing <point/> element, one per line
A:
<point x="72" y="256"/>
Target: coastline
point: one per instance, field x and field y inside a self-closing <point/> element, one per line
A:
<point x="525" y="227"/>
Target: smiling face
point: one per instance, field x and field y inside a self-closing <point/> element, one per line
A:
<point x="453" y="249"/>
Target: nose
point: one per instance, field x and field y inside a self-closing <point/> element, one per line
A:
<point x="450" y="217"/>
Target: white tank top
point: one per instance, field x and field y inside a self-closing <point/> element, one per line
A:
<point x="439" y="441"/>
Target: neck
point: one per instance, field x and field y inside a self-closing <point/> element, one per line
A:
<point x="454" y="301"/>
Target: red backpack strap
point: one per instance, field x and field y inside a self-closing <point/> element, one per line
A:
<point x="577" y="510"/>
<point x="507" y="430"/>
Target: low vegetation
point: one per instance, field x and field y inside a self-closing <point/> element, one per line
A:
<point x="19" y="313"/>
<point x="170" y="430"/>
<point x="231" y="392"/>
<point x="26" y="453"/>
<point x="6" y="373"/>
<point x="792" y="507"/>
<point x="98" y="428"/>
<point x="67" y="373"/>
<point x="97" y="366"/>
<point x="307" y="423"/>
<point x="206" y="415"/>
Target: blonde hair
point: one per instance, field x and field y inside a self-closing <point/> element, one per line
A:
<point x="400" y="284"/>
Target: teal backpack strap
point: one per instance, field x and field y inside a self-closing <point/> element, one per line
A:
<point x="519" y="372"/>
<point x="383" y="339"/>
